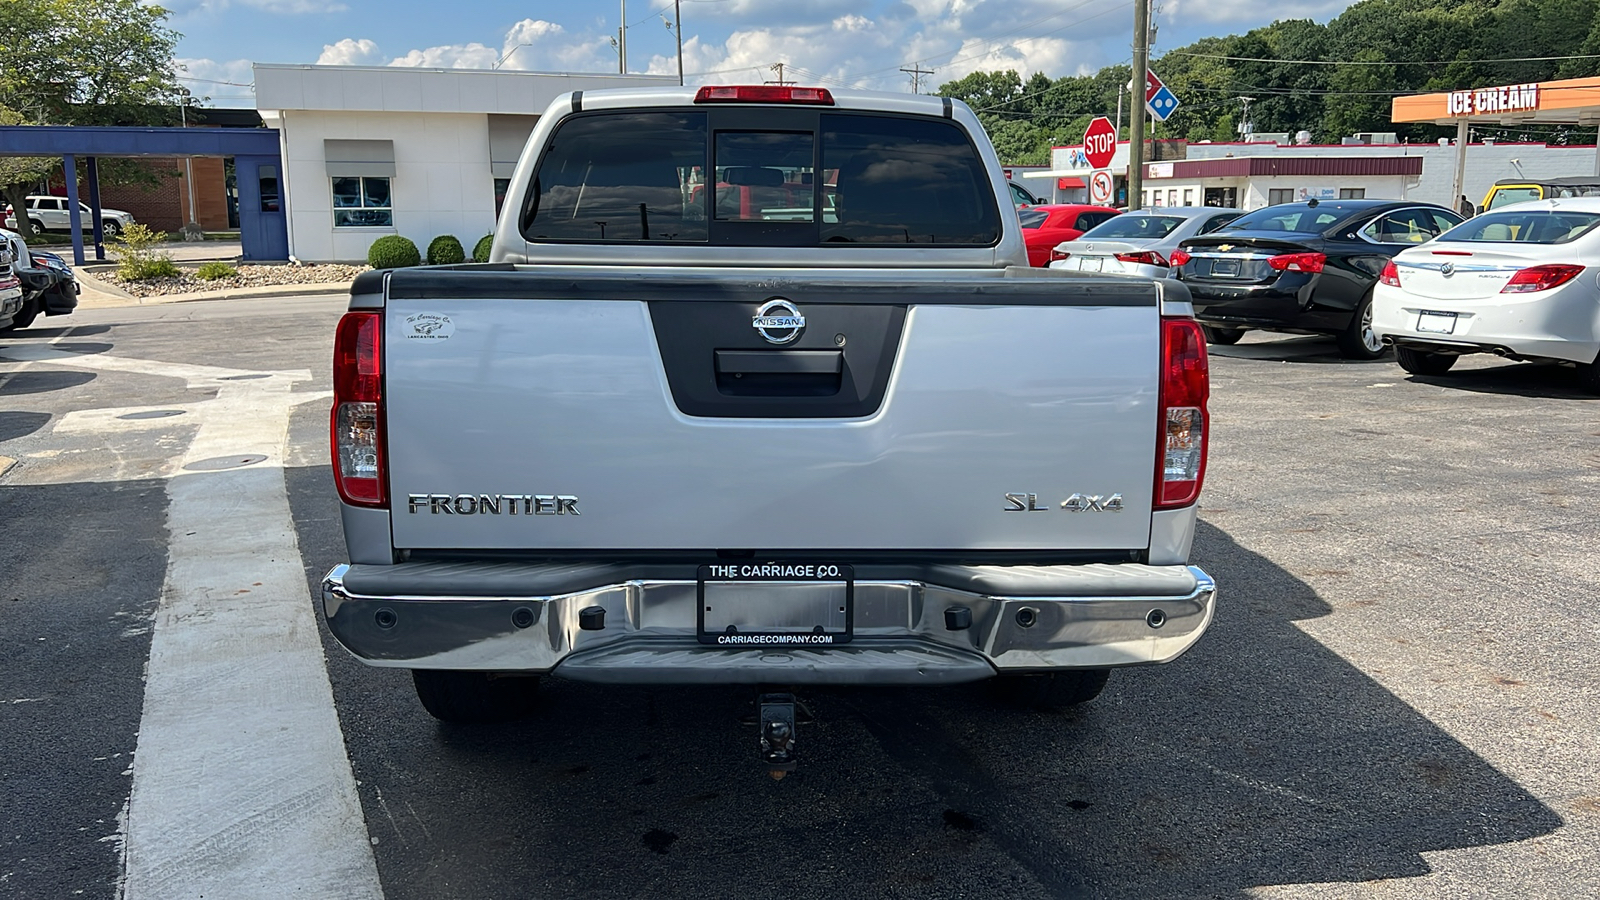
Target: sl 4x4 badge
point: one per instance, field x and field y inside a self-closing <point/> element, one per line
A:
<point x="1075" y="503"/>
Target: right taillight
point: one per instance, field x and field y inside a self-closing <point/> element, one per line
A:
<point x="1180" y="257"/>
<point x="1391" y="275"/>
<point x="1185" y="387"/>
<point x="1146" y="258"/>
<point x="357" y="419"/>
<point x="1540" y="278"/>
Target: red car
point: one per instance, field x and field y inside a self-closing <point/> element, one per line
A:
<point x="1047" y="225"/>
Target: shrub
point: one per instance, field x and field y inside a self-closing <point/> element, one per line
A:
<point x="393" y="252"/>
<point x="138" y="259"/>
<point x="445" y="250"/>
<point x="212" y="271"/>
<point x="480" y="251"/>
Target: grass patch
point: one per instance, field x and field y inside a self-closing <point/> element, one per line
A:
<point x="212" y="271"/>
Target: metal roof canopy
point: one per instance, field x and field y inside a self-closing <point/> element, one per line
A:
<point x="91" y="142"/>
<point x="1570" y="101"/>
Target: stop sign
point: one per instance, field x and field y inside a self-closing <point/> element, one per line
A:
<point x="1099" y="143"/>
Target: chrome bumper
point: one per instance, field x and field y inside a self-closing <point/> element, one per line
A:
<point x="900" y="634"/>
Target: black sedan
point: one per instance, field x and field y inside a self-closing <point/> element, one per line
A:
<point x="1304" y="268"/>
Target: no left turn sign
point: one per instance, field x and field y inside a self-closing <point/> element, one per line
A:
<point x="1101" y="186"/>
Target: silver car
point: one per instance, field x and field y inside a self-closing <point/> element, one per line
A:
<point x="1140" y="242"/>
<point x="49" y="213"/>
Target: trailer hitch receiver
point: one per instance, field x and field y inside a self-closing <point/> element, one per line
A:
<point x="775" y="721"/>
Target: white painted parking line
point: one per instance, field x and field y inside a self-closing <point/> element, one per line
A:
<point x="241" y="784"/>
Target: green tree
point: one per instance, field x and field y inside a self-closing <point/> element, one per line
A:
<point x="84" y="62"/>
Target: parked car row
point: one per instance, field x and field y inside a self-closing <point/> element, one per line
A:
<point x="51" y="213"/>
<point x="44" y="283"/>
<point x="1519" y="281"/>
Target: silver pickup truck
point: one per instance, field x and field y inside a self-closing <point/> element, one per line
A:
<point x="759" y="388"/>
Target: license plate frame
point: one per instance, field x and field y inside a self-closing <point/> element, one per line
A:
<point x="818" y="599"/>
<point x="1431" y="322"/>
<point x="1225" y="268"/>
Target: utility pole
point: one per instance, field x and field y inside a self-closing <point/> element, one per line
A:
<point x="1141" y="71"/>
<point x="622" y="41"/>
<point x="916" y="72"/>
<point x="1246" y="127"/>
<point x="778" y="67"/>
<point x="677" y="21"/>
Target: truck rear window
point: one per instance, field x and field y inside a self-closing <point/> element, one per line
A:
<point x="723" y="178"/>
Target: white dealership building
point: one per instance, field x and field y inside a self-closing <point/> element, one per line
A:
<point x="370" y="151"/>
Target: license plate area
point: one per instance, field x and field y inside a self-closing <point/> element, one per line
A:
<point x="743" y="605"/>
<point x="1225" y="268"/>
<point x="1436" y="322"/>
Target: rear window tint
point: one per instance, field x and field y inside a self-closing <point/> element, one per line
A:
<point x="1032" y="218"/>
<point x="1285" y="218"/>
<point x="854" y="179"/>
<point x="1532" y="227"/>
<point x="624" y="177"/>
<point x="906" y="181"/>
<point x="1134" y="225"/>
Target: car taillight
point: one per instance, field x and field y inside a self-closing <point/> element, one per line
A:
<point x="1541" y="278"/>
<point x="1391" y="275"/>
<point x="357" y="419"/>
<point x="763" y="93"/>
<point x="1298" y="262"/>
<point x="1180" y="257"/>
<point x="1058" y="254"/>
<point x="1146" y="258"/>
<point x="1185" y="387"/>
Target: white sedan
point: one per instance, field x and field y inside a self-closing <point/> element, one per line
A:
<point x="1522" y="281"/>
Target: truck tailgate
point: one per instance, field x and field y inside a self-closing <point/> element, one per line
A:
<point x="531" y="412"/>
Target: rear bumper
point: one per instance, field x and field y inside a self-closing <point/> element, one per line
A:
<point x="1560" y="325"/>
<point x="1285" y="303"/>
<point x="1086" y="616"/>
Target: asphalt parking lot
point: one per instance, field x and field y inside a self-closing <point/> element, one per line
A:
<point x="1396" y="698"/>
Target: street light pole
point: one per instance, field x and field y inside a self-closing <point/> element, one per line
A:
<point x="677" y="20"/>
<point x="1141" y="70"/>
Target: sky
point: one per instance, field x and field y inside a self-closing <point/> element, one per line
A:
<point x="836" y="43"/>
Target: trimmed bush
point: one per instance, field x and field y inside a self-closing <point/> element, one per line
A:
<point x="480" y="251"/>
<point x="393" y="252"/>
<point x="212" y="271"/>
<point x="445" y="250"/>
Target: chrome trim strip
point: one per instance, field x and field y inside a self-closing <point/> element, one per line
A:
<point x="900" y="635"/>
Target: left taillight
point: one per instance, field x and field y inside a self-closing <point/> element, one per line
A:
<point x="357" y="419"/>
<point x="1185" y="388"/>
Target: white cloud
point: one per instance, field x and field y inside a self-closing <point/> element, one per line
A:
<point x="450" y="56"/>
<point x="350" y="52"/>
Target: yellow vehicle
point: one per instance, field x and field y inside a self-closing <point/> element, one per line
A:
<point x="1518" y="190"/>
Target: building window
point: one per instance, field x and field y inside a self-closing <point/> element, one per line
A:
<point x="1352" y="193"/>
<point x="362" y="202"/>
<point x="1172" y="196"/>
<point x="1280" y="195"/>
<point x="502" y="186"/>
<point x="1188" y="196"/>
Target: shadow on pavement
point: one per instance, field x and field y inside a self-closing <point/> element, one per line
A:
<point x="1298" y="349"/>
<point x="1532" y="380"/>
<point x="36" y="381"/>
<point x="1260" y="758"/>
<point x="15" y="424"/>
<point x="45" y="333"/>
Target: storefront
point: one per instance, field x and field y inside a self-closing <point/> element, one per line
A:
<point x="1252" y="182"/>
<point x="1572" y="101"/>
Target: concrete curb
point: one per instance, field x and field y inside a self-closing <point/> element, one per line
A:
<point x="92" y="298"/>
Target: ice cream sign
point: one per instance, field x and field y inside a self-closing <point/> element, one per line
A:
<point x="1486" y="101"/>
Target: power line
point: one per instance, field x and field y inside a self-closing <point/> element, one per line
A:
<point x="1336" y="62"/>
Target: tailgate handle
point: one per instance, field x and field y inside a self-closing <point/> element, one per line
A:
<point x="780" y="362"/>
